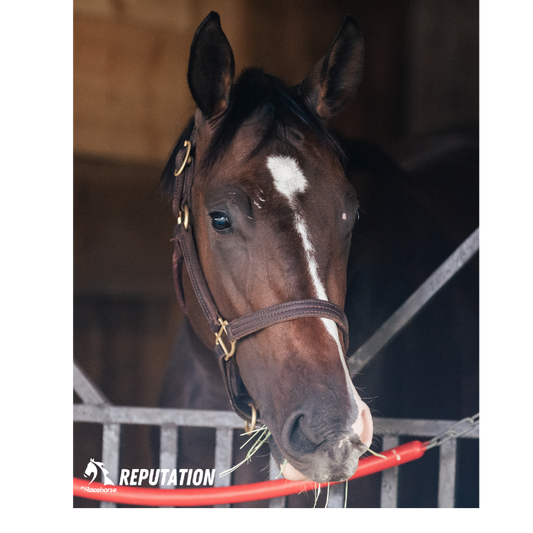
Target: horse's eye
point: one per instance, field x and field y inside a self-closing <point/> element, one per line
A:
<point x="220" y="221"/>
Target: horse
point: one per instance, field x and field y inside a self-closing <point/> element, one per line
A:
<point x="271" y="212"/>
<point x="268" y="213"/>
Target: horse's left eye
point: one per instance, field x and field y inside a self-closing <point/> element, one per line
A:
<point x="220" y="221"/>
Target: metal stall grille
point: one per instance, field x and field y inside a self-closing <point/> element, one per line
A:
<point x="97" y="409"/>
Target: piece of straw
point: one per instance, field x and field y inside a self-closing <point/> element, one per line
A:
<point x="261" y="439"/>
<point x="376" y="454"/>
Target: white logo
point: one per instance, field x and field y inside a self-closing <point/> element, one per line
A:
<point x="92" y="470"/>
<point x="165" y="477"/>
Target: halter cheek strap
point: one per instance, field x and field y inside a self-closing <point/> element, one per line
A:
<point x="226" y="334"/>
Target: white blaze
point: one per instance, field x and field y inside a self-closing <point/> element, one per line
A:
<point x="290" y="181"/>
<point x="288" y="178"/>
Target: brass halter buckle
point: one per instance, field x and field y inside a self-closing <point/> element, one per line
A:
<point x="218" y="339"/>
<point x="183" y="217"/>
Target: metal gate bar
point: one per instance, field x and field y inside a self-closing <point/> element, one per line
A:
<point x="409" y="309"/>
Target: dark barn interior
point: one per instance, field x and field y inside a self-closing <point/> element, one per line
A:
<point x="131" y="102"/>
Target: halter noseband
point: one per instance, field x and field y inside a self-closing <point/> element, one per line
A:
<point x="185" y="252"/>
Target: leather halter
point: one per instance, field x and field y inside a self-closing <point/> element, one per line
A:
<point x="185" y="252"/>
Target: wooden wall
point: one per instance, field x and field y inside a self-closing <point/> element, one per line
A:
<point x="131" y="100"/>
<point x="130" y="60"/>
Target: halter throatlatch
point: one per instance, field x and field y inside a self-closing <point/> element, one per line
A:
<point x="226" y="334"/>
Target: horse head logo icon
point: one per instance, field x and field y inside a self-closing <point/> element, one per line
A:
<point x="92" y="470"/>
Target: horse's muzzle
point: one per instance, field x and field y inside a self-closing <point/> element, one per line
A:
<point x="304" y="454"/>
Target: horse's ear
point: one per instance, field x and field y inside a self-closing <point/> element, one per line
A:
<point x="211" y="68"/>
<point x="334" y="80"/>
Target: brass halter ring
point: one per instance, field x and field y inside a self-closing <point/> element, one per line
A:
<point x="249" y="427"/>
<point x="186" y="160"/>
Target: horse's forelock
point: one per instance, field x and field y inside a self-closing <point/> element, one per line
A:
<point x="273" y="103"/>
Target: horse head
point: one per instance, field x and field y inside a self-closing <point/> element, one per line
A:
<point x="272" y="212"/>
<point x="91" y="470"/>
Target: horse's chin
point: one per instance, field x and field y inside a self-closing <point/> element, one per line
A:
<point x="292" y="474"/>
<point x="288" y="471"/>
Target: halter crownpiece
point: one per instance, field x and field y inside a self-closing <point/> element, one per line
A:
<point x="185" y="252"/>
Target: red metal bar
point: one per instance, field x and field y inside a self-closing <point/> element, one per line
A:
<point x="237" y="493"/>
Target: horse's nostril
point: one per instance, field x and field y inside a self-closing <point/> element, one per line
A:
<point x="299" y="437"/>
